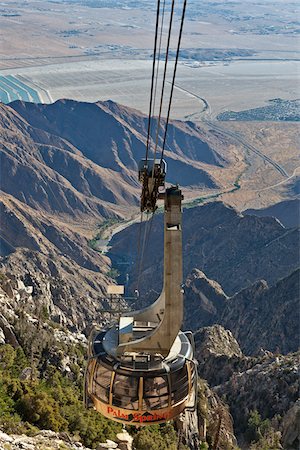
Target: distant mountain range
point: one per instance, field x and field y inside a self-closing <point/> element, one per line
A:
<point x="94" y="148"/>
<point x="65" y="168"/>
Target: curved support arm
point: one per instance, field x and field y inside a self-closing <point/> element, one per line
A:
<point x="167" y="311"/>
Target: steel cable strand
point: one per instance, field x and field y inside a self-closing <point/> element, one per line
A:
<point x="173" y="80"/>
<point x="146" y="241"/>
<point x="152" y="78"/>
<point x="142" y="256"/>
<point x="149" y="232"/>
<point x="139" y="241"/>
<point x="151" y="111"/>
<point x="157" y="70"/>
<point x="164" y="80"/>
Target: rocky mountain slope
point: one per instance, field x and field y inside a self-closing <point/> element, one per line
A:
<point x="46" y="172"/>
<point x="233" y="249"/>
<point x="56" y="258"/>
<point x="263" y="317"/>
<point x="67" y="167"/>
<point x="113" y="137"/>
<point x="260" y="316"/>
<point x="287" y="212"/>
<point x="266" y="385"/>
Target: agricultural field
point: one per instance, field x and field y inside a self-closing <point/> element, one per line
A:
<point x="13" y="88"/>
<point x="207" y="88"/>
<point x="234" y="56"/>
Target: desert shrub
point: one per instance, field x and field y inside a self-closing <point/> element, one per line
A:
<point x="51" y="400"/>
<point x="156" y="437"/>
<point x="257" y="427"/>
<point x="40" y="409"/>
<point x="269" y="441"/>
<point x="113" y="273"/>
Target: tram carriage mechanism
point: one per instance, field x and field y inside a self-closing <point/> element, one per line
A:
<point x="142" y="370"/>
<point x="152" y="173"/>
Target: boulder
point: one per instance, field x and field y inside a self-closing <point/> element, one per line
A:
<point x="108" y="445"/>
<point x="124" y="440"/>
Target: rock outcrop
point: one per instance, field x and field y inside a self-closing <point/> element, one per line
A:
<point x="216" y="341"/>
<point x="215" y="421"/>
<point x="268" y="383"/>
<point x="269" y="386"/>
<point x="49" y="440"/>
<point x="70" y="295"/>
<point x="205" y="300"/>
<point x="45" y="439"/>
<point x="263" y="317"/>
<point x="290" y="428"/>
<point x="218" y="354"/>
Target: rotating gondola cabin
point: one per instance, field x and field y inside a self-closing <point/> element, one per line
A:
<point x="142" y="370"/>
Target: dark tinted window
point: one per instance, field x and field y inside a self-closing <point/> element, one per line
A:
<point x="156" y="393"/>
<point x="125" y="392"/>
<point x="193" y="374"/>
<point x="179" y="384"/>
<point x="101" y="383"/>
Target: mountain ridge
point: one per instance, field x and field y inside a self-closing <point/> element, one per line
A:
<point x="232" y="249"/>
<point x="287" y="212"/>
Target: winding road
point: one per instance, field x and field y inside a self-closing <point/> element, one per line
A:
<point x="241" y="140"/>
<point x="237" y="137"/>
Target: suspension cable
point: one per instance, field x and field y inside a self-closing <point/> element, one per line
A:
<point x="149" y="231"/>
<point x="157" y="68"/>
<point x="152" y="78"/>
<point x="154" y="82"/>
<point x="151" y="110"/>
<point x="164" y="80"/>
<point x="142" y="256"/>
<point x="173" y="80"/>
<point x="139" y="239"/>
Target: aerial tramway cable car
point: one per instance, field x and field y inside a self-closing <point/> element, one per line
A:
<point x="142" y="370"/>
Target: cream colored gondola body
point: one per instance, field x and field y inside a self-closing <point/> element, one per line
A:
<point x="142" y="370"/>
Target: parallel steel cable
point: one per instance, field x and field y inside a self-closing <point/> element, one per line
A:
<point x="152" y="107"/>
<point x="157" y="68"/>
<point x="173" y="80"/>
<point x="164" y="79"/>
<point x="152" y="101"/>
<point x="139" y="241"/>
<point x="152" y="78"/>
<point x="149" y="231"/>
<point x="142" y="256"/>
